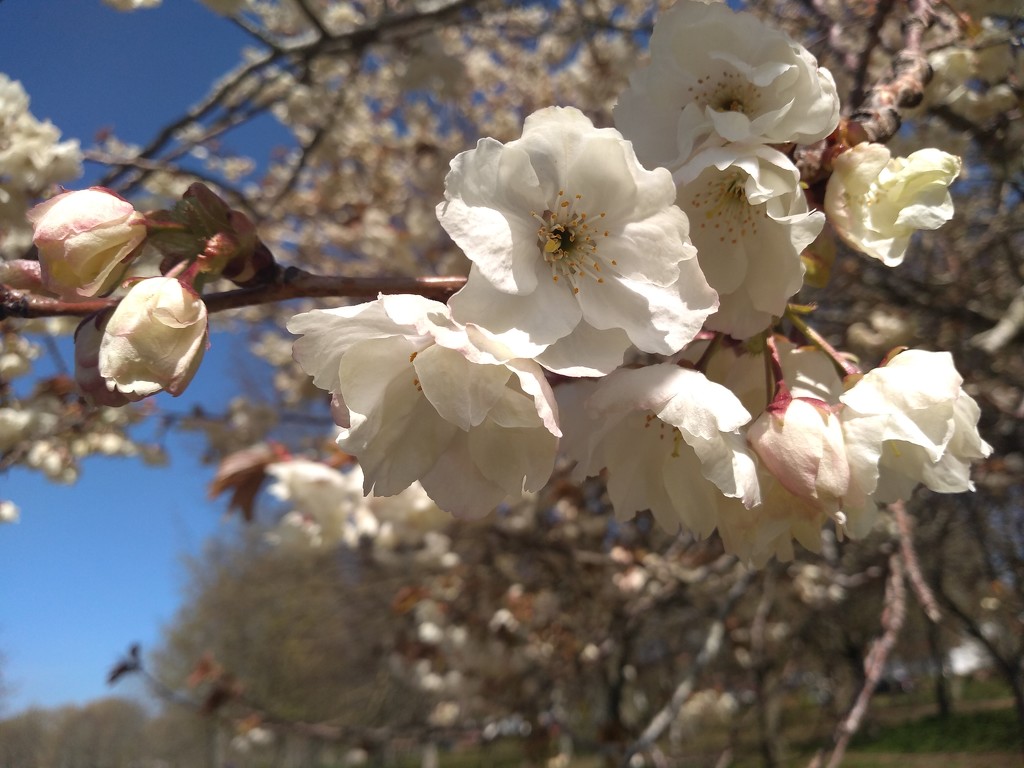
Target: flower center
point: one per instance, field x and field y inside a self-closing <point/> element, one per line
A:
<point x="726" y="211"/>
<point x="568" y="241"/>
<point x="725" y="92"/>
<point x="665" y="431"/>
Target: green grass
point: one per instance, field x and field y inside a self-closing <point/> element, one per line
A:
<point x="961" y="732"/>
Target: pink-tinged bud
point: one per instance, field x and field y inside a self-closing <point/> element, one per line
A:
<point x="88" y="336"/>
<point x="155" y="339"/>
<point x="801" y="444"/>
<point x="86" y="240"/>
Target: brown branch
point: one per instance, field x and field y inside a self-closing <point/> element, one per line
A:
<point x="878" y="117"/>
<point x="293" y="283"/>
<point x="874" y="31"/>
<point x="917" y="580"/>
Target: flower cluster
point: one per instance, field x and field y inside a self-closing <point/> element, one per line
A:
<point x="593" y="250"/>
<point x="646" y="270"/>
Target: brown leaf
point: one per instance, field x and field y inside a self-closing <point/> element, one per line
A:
<point x="242" y="473"/>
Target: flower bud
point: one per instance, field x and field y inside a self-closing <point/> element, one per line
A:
<point x="88" y="337"/>
<point x="155" y="339"/>
<point x="86" y="240"/>
<point x="801" y="444"/>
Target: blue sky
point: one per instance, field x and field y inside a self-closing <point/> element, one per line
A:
<point x="95" y="566"/>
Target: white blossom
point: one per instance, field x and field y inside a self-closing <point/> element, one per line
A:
<point x="577" y="250"/>
<point x="801" y="444"/>
<point x="908" y="422"/>
<point x="154" y="340"/>
<point x="719" y="77"/>
<point x="669" y="438"/>
<point x="750" y="222"/>
<point x="328" y="504"/>
<point x="419" y="401"/>
<point x="876" y="202"/>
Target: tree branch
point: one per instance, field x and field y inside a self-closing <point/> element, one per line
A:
<point x="293" y="283"/>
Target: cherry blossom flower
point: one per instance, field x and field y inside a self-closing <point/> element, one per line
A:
<point x="577" y="250"/>
<point x="750" y="222"/>
<point x="85" y="240"/>
<point x="669" y="438"/>
<point x="328" y="504"/>
<point x="876" y="202"/>
<point x="910" y="421"/>
<point x="155" y="339"/>
<point x="716" y="77"/>
<point x="424" y="403"/>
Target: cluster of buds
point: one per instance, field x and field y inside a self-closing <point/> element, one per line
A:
<point x="155" y="336"/>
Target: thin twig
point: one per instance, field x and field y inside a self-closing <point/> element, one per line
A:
<point x="917" y="581"/>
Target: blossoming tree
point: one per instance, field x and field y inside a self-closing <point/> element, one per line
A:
<point x="590" y="269"/>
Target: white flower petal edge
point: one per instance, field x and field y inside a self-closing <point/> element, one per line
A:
<point x="877" y="202"/>
<point x="423" y="402"/>
<point x="567" y="231"/>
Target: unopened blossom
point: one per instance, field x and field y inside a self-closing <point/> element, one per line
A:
<point x="421" y="402"/>
<point x="876" y="202"/>
<point x="908" y="422"/>
<point x="750" y="222"/>
<point x="85" y="241"/>
<point x="800" y="441"/>
<point x="670" y="440"/>
<point x="577" y="250"/>
<point x="718" y="77"/>
<point x="155" y="339"/>
<point x="88" y="338"/>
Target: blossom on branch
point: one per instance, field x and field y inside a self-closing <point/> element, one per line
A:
<point x="670" y="440"/>
<point x="154" y="340"/>
<point x="800" y="441"/>
<point x="419" y="401"/>
<point x="908" y="422"/>
<point x="750" y="222"/>
<point x="876" y="202"/>
<point x="86" y="240"/>
<point x="718" y="77"/>
<point x="577" y="250"/>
